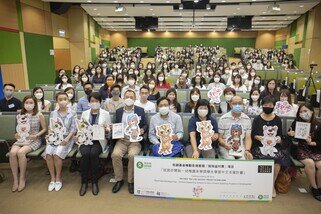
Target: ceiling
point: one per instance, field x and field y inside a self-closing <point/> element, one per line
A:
<point x="103" y="11"/>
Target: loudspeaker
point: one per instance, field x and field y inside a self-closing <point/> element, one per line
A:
<point x="59" y="8"/>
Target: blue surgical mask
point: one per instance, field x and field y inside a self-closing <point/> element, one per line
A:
<point x="237" y="108"/>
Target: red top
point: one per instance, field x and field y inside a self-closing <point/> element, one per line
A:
<point x="163" y="86"/>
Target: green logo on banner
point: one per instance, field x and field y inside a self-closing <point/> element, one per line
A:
<point x="260" y="197"/>
<point x="139" y="165"/>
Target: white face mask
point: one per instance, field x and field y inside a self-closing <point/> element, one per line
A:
<point x="195" y="97"/>
<point x="39" y="95"/>
<point x="84" y="79"/>
<point x="29" y="107"/>
<point x="228" y="97"/>
<point x="64" y="80"/>
<point x="255" y="97"/>
<point x="131" y="82"/>
<point x="217" y="79"/>
<point x="129" y="102"/>
<point x="76" y="70"/>
<point x="283" y="99"/>
<point x="151" y="86"/>
<point x="164" y="110"/>
<point x="306" y="115"/>
<point x="94" y="106"/>
<point x="256" y="82"/>
<point x="161" y="79"/>
<point x="202" y="112"/>
<point x="70" y="96"/>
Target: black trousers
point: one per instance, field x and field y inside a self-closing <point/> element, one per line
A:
<point x="90" y="160"/>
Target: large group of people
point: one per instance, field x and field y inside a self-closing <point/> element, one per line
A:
<point x="131" y="90"/>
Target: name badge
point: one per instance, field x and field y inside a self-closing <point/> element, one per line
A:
<point x="11" y="105"/>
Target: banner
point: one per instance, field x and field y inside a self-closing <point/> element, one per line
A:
<point x="204" y="179"/>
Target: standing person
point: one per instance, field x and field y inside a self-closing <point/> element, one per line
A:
<point x="202" y="113"/>
<point x="17" y="155"/>
<point x="309" y="150"/>
<point x="90" y="153"/>
<point x="124" y="146"/>
<point x="55" y="154"/>
<point x="265" y="125"/>
<point x="165" y="116"/>
<point x="9" y="102"/>
<point x="147" y="105"/>
<point x="235" y="132"/>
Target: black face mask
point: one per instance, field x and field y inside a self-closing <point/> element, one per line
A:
<point x="268" y="110"/>
<point x="88" y="92"/>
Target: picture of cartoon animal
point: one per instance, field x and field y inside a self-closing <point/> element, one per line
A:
<point x="85" y="132"/>
<point x="205" y="128"/>
<point x="236" y="140"/>
<point x="164" y="132"/>
<point x="215" y="95"/>
<point x="269" y="140"/>
<point x="57" y="131"/>
<point x="23" y="127"/>
<point x="282" y="107"/>
<point x="132" y="129"/>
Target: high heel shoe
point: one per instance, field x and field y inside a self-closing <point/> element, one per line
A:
<point x="22" y="186"/>
<point x="15" y="187"/>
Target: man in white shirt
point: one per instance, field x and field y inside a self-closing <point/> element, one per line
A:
<point x="147" y="105"/>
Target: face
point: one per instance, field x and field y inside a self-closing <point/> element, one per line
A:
<point x="130" y="95"/>
<point x="304" y="109"/>
<point x="29" y="102"/>
<point x="237" y="80"/>
<point x="163" y="103"/>
<point x="171" y="96"/>
<point x="268" y="105"/>
<point x="88" y="87"/>
<point x="236" y="101"/>
<point x="271" y="85"/>
<point x="202" y="108"/>
<point x="256" y="93"/>
<point x="144" y="94"/>
<point x="62" y="100"/>
<point x="93" y="100"/>
<point x="70" y="91"/>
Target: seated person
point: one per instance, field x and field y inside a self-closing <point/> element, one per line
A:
<point x="147" y="105"/>
<point x="9" y="102"/>
<point x="115" y="102"/>
<point x="194" y="96"/>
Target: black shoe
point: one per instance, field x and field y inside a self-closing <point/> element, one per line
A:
<point x="95" y="189"/>
<point x="83" y="189"/>
<point x="118" y="186"/>
<point x="316" y="193"/>
<point x="131" y="188"/>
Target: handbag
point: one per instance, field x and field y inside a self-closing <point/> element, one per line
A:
<point x="283" y="182"/>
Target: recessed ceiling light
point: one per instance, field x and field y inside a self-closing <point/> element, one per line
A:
<point x="295" y="11"/>
<point x="238" y="8"/>
<point x="88" y="1"/>
<point x="234" y="13"/>
<point x="115" y="1"/>
<point x="168" y="1"/>
<point x="264" y="12"/>
<point x="151" y="9"/>
<point x="223" y="1"/>
<point x="301" y="6"/>
<point x="95" y="9"/>
<point x="98" y="14"/>
<point x="153" y="14"/>
<point x="141" y="1"/>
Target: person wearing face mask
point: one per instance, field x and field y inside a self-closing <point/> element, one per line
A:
<point x="202" y="113"/>
<point x="18" y="151"/>
<point x="75" y="75"/>
<point x="9" y="102"/>
<point x="65" y="82"/>
<point x="72" y="104"/>
<point x="161" y="81"/>
<point x="225" y="107"/>
<point x="257" y="65"/>
<point x="89" y="68"/>
<point x="269" y="66"/>
<point x="55" y="154"/>
<point x="153" y="92"/>
<point x="148" y="74"/>
<point x="238" y="84"/>
<point x="285" y="97"/>
<point x="257" y="84"/>
<point x="98" y="77"/>
<point x="43" y="105"/>
<point x="104" y="69"/>
<point x="90" y="153"/>
<point x="174" y="105"/>
<point x="165" y="116"/>
<point x="60" y="73"/>
<point x="115" y="102"/>
<point x="250" y="79"/>
<point x="198" y="82"/>
<point x="176" y="70"/>
<point x="104" y="91"/>
<point x="254" y="107"/>
<point x="181" y="84"/>
<point x="216" y="82"/>
<point x="309" y="150"/>
<point x="230" y="79"/>
<point x="195" y="96"/>
<point x="147" y="105"/>
<point x="83" y="102"/>
<point x="235" y="132"/>
<point x="269" y="123"/>
<point x="131" y="84"/>
<point x="125" y="146"/>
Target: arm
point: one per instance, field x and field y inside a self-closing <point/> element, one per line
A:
<point x="152" y="132"/>
<point x="143" y="124"/>
<point x="192" y="135"/>
<point x="179" y="128"/>
<point x="79" y="107"/>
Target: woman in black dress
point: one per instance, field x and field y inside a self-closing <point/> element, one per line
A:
<point x="309" y="150"/>
<point x="266" y="138"/>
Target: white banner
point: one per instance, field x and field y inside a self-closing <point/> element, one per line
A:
<point x="207" y="179"/>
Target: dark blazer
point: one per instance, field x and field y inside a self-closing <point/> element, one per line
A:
<point x="137" y="110"/>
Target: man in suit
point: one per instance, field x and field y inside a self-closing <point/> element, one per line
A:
<point x="130" y="143"/>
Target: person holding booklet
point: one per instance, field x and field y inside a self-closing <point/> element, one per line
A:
<point x="134" y="123"/>
<point x="309" y="148"/>
<point x="203" y="131"/>
<point x="31" y="126"/>
<point x="90" y="152"/>
<point x="62" y="128"/>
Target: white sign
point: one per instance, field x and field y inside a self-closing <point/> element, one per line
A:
<point x="302" y="130"/>
<point x="98" y="132"/>
<point x="204" y="178"/>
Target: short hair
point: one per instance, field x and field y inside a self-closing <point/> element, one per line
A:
<point x="129" y="91"/>
<point x="132" y="76"/>
<point x="61" y="93"/>
<point x="115" y="86"/>
<point x="229" y="89"/>
<point x="95" y="95"/>
<point x="9" y="84"/>
<point x="268" y="99"/>
<point x="203" y="102"/>
<point x="161" y="99"/>
<point x="144" y="87"/>
<point x="287" y="93"/>
<point x="88" y="83"/>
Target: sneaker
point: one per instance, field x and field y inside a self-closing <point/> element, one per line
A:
<point x="316" y="193"/>
<point x="51" y="186"/>
<point x="58" y="186"/>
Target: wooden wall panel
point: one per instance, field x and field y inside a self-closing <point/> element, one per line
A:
<point x="265" y="39"/>
<point x="33" y="19"/>
<point x="61" y="43"/>
<point x="59" y="22"/>
<point x="14" y="73"/>
<point x="118" y="39"/>
<point x="8" y="15"/>
<point x="62" y="59"/>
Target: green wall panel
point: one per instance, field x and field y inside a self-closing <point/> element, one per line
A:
<point x="293" y="28"/>
<point x="10" y="50"/>
<point x="297" y="56"/>
<point x="93" y="55"/>
<point x="106" y="43"/>
<point x="41" y="65"/>
<point x="278" y="44"/>
<point x="229" y="44"/>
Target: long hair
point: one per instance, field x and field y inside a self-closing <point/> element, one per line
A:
<point x="191" y="103"/>
<point x="35" y="109"/>
<point x="313" y="120"/>
<point x="174" y="91"/>
<point x="43" y="97"/>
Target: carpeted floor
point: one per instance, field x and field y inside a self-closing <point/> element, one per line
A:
<point x="36" y="199"/>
